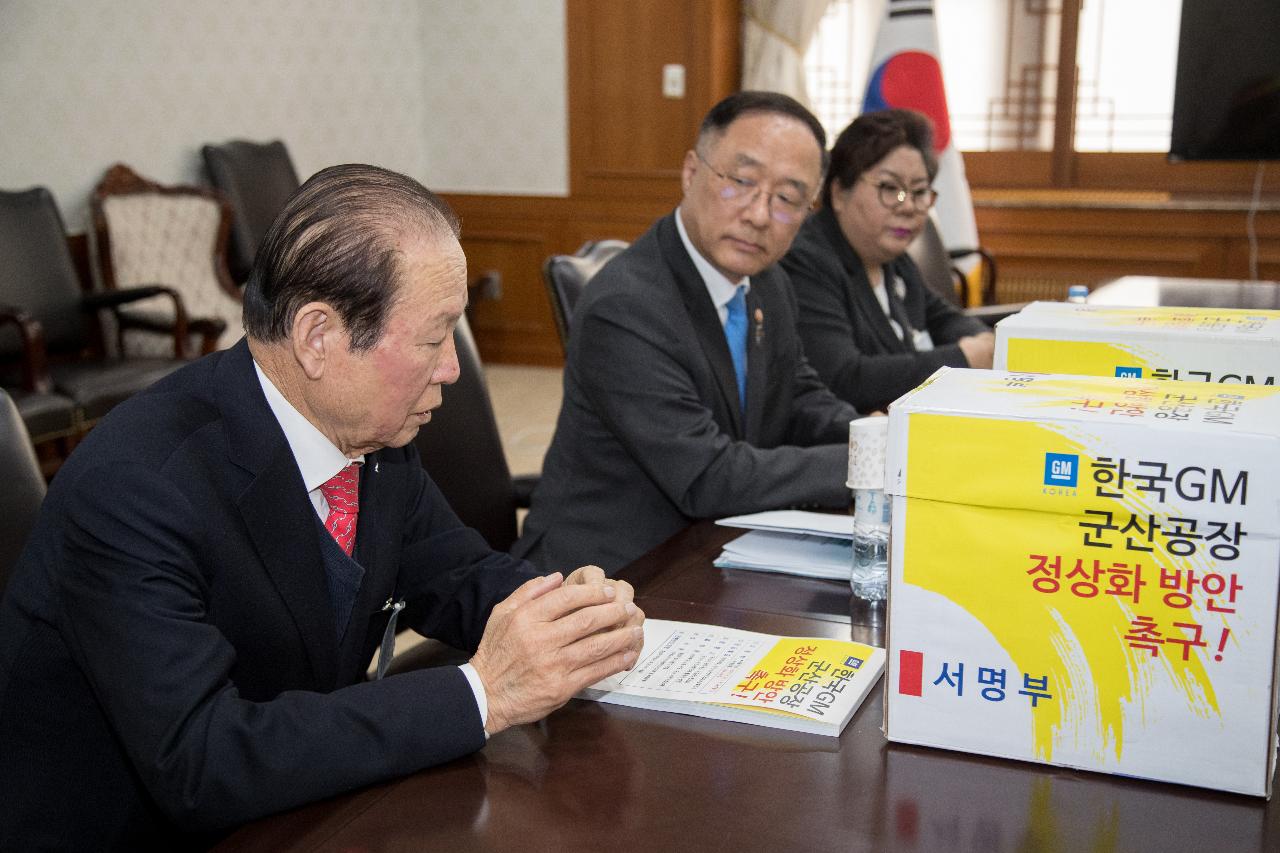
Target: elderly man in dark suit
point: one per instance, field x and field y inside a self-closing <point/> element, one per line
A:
<point x="183" y="644"/>
<point x="686" y="393"/>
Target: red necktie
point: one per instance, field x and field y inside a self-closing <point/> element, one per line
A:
<point x="342" y="493"/>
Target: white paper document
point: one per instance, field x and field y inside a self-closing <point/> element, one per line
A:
<point x="795" y="521"/>
<point x="789" y="553"/>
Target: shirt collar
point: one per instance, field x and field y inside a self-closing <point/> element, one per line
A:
<point x="717" y="283"/>
<point x="317" y="458"/>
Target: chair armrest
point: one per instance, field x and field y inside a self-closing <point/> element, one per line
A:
<point x="988" y="293"/>
<point x="522" y="488"/>
<point x="180" y="326"/>
<point x="208" y="329"/>
<point x="35" y="362"/>
<point x="112" y="298"/>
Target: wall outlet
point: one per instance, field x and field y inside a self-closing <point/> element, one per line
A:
<point x="673" y="81"/>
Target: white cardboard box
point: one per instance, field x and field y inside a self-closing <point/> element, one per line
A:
<point x="1193" y="344"/>
<point x="1027" y="511"/>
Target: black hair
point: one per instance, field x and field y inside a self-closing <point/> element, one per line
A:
<point x="739" y="104"/>
<point x="336" y="242"/>
<point x="870" y="138"/>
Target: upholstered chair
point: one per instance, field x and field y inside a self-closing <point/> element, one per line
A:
<point x="174" y="236"/>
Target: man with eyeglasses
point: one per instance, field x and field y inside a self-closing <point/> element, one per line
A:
<point x="686" y="392"/>
<point x="871" y="326"/>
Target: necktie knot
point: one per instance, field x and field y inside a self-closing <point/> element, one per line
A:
<point x="342" y="493"/>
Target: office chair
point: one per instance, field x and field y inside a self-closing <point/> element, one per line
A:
<point x="256" y="179"/>
<point x="147" y="233"/>
<point x="50" y="418"/>
<point x="941" y="276"/>
<point x="23" y="490"/>
<point x="38" y="280"/>
<point x="567" y="276"/>
<point x="462" y="451"/>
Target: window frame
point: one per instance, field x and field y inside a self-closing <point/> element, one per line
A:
<point x="1064" y="168"/>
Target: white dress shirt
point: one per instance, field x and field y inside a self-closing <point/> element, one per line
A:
<point x="719" y="288"/>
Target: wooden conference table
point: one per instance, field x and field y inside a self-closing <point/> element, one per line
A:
<point x="594" y="777"/>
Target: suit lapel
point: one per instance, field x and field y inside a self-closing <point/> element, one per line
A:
<point x="858" y="286"/>
<point x="898" y="311"/>
<point x="276" y="510"/>
<point x="706" y="322"/>
<point x="869" y="307"/>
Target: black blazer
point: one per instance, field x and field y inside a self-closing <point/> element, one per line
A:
<point x="845" y="331"/>
<point x="168" y="652"/>
<point x="650" y="434"/>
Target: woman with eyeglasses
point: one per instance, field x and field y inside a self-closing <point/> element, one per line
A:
<point x="870" y="325"/>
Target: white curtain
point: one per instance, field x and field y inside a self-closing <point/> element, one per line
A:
<point x="775" y="36"/>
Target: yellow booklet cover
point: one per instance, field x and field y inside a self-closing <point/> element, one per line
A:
<point x="804" y="684"/>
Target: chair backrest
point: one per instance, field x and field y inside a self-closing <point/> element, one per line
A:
<point x="36" y="271"/>
<point x="257" y="179"/>
<point x="23" y="487"/>
<point x="930" y="255"/>
<point x="462" y="451"/>
<point x="566" y="277"/>
<point x="148" y="233"/>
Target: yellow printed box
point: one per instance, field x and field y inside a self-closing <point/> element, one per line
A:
<point x="1085" y="572"/>
<point x="1224" y="345"/>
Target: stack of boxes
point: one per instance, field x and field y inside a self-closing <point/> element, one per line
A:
<point x="1086" y="569"/>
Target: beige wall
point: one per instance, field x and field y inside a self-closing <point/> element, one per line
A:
<point x="466" y="95"/>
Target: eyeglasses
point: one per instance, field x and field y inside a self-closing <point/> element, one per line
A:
<point x="894" y="196"/>
<point x="791" y="207"/>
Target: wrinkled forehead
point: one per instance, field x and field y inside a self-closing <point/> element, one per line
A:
<point x="775" y="142"/>
<point x="432" y="273"/>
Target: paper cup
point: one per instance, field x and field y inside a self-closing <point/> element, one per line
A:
<point x="868" y="439"/>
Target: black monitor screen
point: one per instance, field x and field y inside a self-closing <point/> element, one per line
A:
<point x="1226" y="103"/>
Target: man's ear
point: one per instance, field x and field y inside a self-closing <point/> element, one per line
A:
<point x="315" y="336"/>
<point x="686" y="172"/>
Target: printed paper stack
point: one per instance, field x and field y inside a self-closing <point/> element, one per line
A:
<point x="791" y="542"/>
<point x="1224" y="345"/>
<point x="1085" y="573"/>
<point x="804" y="684"/>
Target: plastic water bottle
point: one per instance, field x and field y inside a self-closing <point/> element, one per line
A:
<point x="870" y="577"/>
<point x="1078" y="293"/>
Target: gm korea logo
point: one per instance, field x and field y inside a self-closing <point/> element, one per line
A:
<point x="1123" y="372"/>
<point x="1061" y="469"/>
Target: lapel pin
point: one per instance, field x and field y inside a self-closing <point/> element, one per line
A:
<point x="759" y="332"/>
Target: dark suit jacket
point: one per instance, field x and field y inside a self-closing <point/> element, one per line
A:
<point x="846" y="335"/>
<point x="650" y="435"/>
<point x="168" y="651"/>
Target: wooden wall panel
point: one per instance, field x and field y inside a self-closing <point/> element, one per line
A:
<point x="516" y="323"/>
<point x="514" y="235"/>
<point x="625" y="138"/>
<point x="626" y="144"/>
<point x="1042" y="249"/>
<point x="1115" y="171"/>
